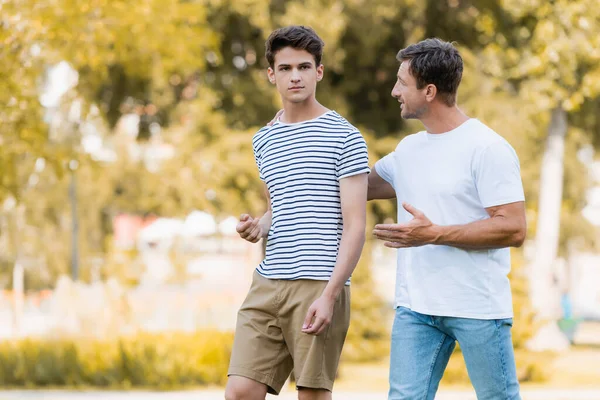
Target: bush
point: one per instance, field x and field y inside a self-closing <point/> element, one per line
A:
<point x="160" y="361"/>
<point x="368" y="337"/>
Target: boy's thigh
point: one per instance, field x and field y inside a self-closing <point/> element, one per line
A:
<point x="259" y="349"/>
<point x="316" y="357"/>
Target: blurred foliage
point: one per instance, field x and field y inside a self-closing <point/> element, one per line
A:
<point x="163" y="361"/>
<point x="195" y="71"/>
<point x="193" y="74"/>
<point x="368" y="337"/>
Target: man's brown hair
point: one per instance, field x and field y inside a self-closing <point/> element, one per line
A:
<point x="436" y="62"/>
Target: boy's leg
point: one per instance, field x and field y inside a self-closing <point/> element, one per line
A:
<point x="488" y="351"/>
<point x="316" y="358"/>
<point x="419" y="356"/>
<point x="241" y="388"/>
<point x="313" y="394"/>
<point x="259" y="350"/>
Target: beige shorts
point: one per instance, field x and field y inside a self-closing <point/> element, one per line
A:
<point x="269" y="343"/>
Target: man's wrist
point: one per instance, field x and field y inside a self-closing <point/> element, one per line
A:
<point x="439" y="233"/>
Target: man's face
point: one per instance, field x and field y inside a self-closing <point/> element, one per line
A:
<point x="295" y="74"/>
<point x="412" y="100"/>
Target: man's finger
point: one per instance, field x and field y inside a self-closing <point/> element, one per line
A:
<point x="276" y="117"/>
<point x="382" y="233"/>
<point x="244" y="217"/>
<point x="388" y="235"/>
<point x="308" y="319"/>
<point x="396" y="245"/>
<point x="412" y="210"/>
<point x="390" y="227"/>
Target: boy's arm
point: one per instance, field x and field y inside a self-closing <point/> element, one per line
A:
<point x="254" y="229"/>
<point x="353" y="196"/>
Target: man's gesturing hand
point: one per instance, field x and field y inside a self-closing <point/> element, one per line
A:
<point x="417" y="232"/>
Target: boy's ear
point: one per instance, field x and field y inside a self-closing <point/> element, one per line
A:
<point x="320" y="70"/>
<point x="271" y="75"/>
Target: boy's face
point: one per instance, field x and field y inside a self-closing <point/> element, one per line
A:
<point x="295" y="74"/>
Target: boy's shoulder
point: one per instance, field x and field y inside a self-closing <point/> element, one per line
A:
<point x="330" y="119"/>
<point x="261" y="133"/>
<point x="338" y="120"/>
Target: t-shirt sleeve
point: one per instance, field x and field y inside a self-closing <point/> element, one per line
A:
<point x="353" y="158"/>
<point x="498" y="175"/>
<point x="258" y="159"/>
<point x="386" y="168"/>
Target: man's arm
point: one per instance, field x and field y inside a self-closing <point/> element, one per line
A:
<point x="254" y="229"/>
<point x="506" y="227"/>
<point x="379" y="188"/>
<point x="353" y="194"/>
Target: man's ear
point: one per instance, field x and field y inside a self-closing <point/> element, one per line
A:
<point x="430" y="92"/>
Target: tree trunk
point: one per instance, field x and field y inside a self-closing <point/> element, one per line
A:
<point x="545" y="296"/>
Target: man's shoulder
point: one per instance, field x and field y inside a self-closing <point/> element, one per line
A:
<point x="410" y="140"/>
<point x="482" y="136"/>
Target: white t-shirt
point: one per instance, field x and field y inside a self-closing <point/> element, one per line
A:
<point x="452" y="177"/>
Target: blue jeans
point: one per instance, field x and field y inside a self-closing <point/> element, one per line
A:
<point x="422" y="345"/>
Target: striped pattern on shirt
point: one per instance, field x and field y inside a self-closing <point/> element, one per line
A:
<point x="302" y="164"/>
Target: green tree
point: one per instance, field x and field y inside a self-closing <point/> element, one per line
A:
<point x="552" y="60"/>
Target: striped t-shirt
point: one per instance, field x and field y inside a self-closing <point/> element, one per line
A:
<point x="302" y="164"/>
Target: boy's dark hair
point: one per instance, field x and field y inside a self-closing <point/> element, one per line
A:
<point x="297" y="37"/>
<point x="434" y="61"/>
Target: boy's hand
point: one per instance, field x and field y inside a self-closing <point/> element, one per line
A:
<point x="250" y="229"/>
<point x="321" y="311"/>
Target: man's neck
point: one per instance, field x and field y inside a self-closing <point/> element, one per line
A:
<point x="443" y="119"/>
<point x="298" y="112"/>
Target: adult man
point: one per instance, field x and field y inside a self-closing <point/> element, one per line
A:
<point x="314" y="164"/>
<point x="460" y="208"/>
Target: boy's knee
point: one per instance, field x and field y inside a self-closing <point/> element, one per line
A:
<point x="312" y="394"/>
<point x="239" y="388"/>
